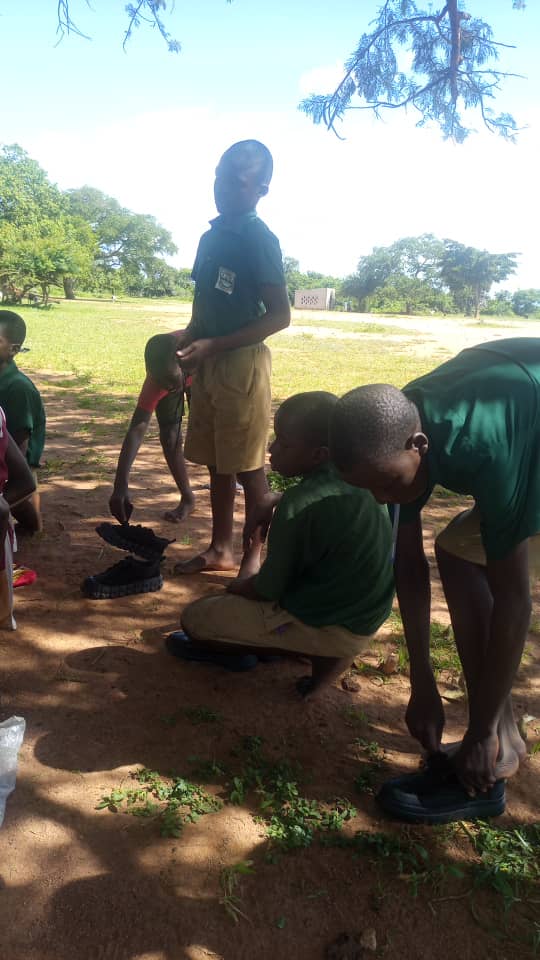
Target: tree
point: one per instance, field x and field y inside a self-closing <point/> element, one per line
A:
<point x="452" y="64"/>
<point x="129" y="245"/>
<point x="526" y="303"/>
<point x="452" y="67"/>
<point x="44" y="253"/>
<point x="26" y="195"/>
<point x="413" y="258"/>
<point x="470" y="273"/>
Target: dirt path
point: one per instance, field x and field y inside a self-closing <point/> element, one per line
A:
<point x="101" y="698"/>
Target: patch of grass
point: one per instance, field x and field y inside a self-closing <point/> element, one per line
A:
<point x="443" y="651"/>
<point x="173" y="801"/>
<point x="105" y="366"/>
<point x="229" y="881"/>
<point x="354" y="326"/>
<point x="355" y="717"/>
<point x="278" y="484"/>
<point x="202" y="714"/>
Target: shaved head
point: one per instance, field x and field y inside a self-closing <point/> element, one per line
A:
<point x="371" y="424"/>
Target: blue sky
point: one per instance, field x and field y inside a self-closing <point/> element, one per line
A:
<point x="148" y="127"/>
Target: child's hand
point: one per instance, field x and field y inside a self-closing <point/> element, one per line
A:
<point x="194" y="354"/>
<point x="121" y="506"/>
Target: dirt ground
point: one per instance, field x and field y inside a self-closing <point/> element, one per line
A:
<point x="98" y="692"/>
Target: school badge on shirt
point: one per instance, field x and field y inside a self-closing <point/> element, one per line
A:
<point x="225" y="280"/>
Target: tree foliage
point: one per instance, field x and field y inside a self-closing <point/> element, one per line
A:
<point x="526" y="303"/>
<point x="423" y="274"/>
<point x="77" y="237"/>
<point x="437" y="62"/>
<point x="469" y="273"/>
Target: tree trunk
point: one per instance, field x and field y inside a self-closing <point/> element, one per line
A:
<point x="69" y="288"/>
<point x="477" y="305"/>
<point x="45" y="293"/>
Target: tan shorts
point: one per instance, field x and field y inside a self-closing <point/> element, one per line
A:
<point x="263" y="623"/>
<point x="462" y="538"/>
<point x="230" y="410"/>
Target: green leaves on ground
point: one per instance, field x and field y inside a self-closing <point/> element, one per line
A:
<point x="174" y="802"/>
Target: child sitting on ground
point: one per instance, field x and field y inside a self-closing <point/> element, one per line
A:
<point x="25" y="415"/>
<point x="163" y="391"/>
<point x="16" y="485"/>
<point x="326" y="584"/>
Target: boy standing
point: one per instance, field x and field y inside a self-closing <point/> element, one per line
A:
<point x="326" y="584"/>
<point x="25" y="415"/>
<point x="240" y="300"/>
<point x="162" y="392"/>
<point x="473" y="426"/>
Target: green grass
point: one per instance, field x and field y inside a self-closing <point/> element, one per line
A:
<point x="96" y="350"/>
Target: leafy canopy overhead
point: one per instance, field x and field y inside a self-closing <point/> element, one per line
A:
<point x="441" y="63"/>
<point x="437" y="62"/>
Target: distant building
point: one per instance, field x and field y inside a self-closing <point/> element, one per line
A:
<point x="320" y="298"/>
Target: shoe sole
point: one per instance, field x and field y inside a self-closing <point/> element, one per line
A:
<point x="102" y="591"/>
<point x="115" y="539"/>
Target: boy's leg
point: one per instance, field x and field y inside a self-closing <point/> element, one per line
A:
<point x="219" y="555"/>
<point x="231" y="624"/>
<point x="324" y="670"/>
<point x="171" y="443"/>
<point x="255" y="487"/>
<point x="470" y="605"/>
<point x="169" y="413"/>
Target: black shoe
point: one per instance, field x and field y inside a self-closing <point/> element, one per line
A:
<point x="126" y="577"/>
<point x="438" y="797"/>
<point x="134" y="539"/>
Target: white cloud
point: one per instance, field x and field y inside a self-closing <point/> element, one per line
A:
<point x="331" y="201"/>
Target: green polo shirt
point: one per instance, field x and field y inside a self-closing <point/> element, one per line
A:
<point x="23" y="407"/>
<point x="329" y="555"/>
<point x="235" y="258"/>
<point x="481" y="414"/>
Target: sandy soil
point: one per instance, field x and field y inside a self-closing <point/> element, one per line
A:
<point x="98" y="690"/>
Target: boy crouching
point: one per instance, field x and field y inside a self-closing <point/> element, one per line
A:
<point x="326" y="584"/>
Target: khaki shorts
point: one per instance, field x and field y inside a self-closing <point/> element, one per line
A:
<point x="230" y="410"/>
<point x="462" y="538"/>
<point x="263" y="623"/>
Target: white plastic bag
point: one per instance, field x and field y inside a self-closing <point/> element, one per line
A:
<point x="11" y="738"/>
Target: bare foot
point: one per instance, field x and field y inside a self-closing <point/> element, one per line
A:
<point x="209" y="560"/>
<point x="512" y="751"/>
<point x="183" y="510"/>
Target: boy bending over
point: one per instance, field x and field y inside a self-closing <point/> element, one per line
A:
<point x="473" y="426"/>
<point x="162" y="392"/>
<point x="240" y="300"/>
<point x="326" y="584"/>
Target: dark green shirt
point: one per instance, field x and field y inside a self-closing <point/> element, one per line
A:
<point x="329" y="555"/>
<point x="23" y="407"/>
<point x="234" y="259"/>
<point x="481" y="414"/>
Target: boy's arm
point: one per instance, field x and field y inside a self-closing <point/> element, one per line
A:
<point x="22" y="439"/>
<point x="20" y="482"/>
<point x="119" y="503"/>
<point x="277" y="317"/>
<point x="425" y="715"/>
<point x="509" y="584"/>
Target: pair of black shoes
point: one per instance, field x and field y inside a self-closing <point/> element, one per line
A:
<point x="130" y="575"/>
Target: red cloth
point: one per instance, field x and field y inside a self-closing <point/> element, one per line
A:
<point x="151" y="393"/>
